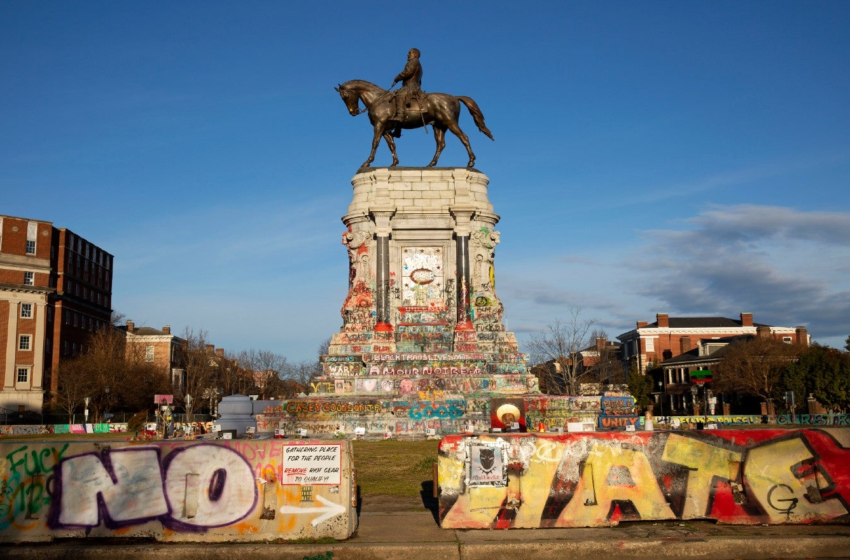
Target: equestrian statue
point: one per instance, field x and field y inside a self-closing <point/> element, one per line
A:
<point x="409" y="107"/>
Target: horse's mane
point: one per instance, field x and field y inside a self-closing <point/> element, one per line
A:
<point x="362" y="84"/>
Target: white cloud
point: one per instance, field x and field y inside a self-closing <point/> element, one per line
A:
<point x="784" y="265"/>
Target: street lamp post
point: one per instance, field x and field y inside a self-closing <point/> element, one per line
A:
<point x="694" y="391"/>
<point x="166" y="418"/>
<point x="661" y="391"/>
<point x="188" y="400"/>
<point x="106" y="406"/>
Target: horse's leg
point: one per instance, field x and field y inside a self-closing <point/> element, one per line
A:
<point x="453" y="126"/>
<point x="440" y="139"/>
<point x="379" y="131"/>
<point x="388" y="137"/>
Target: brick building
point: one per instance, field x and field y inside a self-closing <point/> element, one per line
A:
<point x="682" y="345"/>
<point x="55" y="290"/>
<point x="669" y="336"/>
<point x="164" y="350"/>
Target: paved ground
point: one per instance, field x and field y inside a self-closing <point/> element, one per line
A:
<point x="400" y="528"/>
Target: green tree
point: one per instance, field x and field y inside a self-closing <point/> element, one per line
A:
<point x="847" y="343"/>
<point x="822" y="372"/>
<point x="640" y="386"/>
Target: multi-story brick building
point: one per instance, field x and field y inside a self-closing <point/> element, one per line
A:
<point x="161" y="348"/>
<point x="681" y="345"/>
<point x="55" y="290"/>
<point x="671" y="336"/>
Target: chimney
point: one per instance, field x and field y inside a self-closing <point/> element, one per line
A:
<point x="763" y="331"/>
<point x="166" y="329"/>
<point x="641" y="324"/>
<point x="131" y="326"/>
<point x="601" y="343"/>
<point x="684" y="344"/>
<point x="210" y="348"/>
<point x="802" y="335"/>
<point x="663" y="320"/>
<point x="219" y="352"/>
<point x="746" y="319"/>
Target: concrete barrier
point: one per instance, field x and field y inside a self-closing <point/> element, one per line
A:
<point x="590" y="480"/>
<point x="240" y="490"/>
<point x="37" y="429"/>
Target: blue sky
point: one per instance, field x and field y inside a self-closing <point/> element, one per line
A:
<point x="682" y="157"/>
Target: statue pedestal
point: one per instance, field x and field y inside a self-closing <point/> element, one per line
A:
<point x="422" y="338"/>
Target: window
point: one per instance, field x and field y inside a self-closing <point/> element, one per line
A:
<point x="650" y="344"/>
<point x="29" y="278"/>
<point x="26" y="311"/>
<point x="49" y="314"/>
<point x="73" y="348"/>
<point x="30" y="247"/>
<point x="23" y="374"/>
<point x="787" y="339"/>
<point x="149" y="354"/>
<point x="25" y="342"/>
<point x="65" y="348"/>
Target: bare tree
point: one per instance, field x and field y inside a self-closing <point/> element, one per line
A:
<point x="74" y="386"/>
<point x="233" y="378"/>
<point x="755" y="366"/>
<point x="604" y="365"/>
<point x="112" y="375"/>
<point x="559" y="349"/>
<point x="299" y="375"/>
<point x="200" y="373"/>
<point x="117" y="318"/>
<point x="265" y="369"/>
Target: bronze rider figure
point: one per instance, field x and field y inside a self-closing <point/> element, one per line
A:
<point x="411" y="87"/>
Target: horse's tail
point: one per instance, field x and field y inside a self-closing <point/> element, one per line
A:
<point x="477" y="115"/>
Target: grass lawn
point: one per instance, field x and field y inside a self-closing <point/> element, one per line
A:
<point x="394" y="468"/>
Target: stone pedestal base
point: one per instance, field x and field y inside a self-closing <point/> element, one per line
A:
<point x="422" y="321"/>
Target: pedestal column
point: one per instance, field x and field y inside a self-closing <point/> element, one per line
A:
<point x="383" y="337"/>
<point x="464" y="321"/>
<point x="382" y="284"/>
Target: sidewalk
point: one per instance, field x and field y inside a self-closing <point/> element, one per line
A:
<point x="409" y="536"/>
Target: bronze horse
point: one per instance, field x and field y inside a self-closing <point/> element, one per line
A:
<point x="440" y="110"/>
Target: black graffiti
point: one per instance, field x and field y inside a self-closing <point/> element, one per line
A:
<point x="792" y="501"/>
